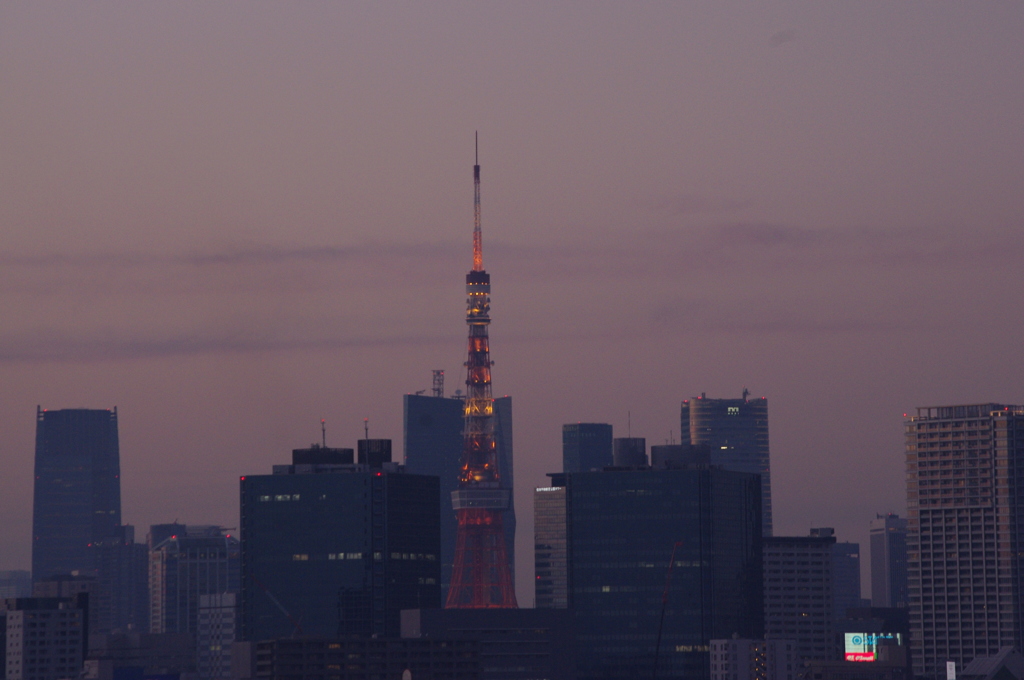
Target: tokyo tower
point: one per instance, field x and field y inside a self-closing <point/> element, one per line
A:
<point x="481" y="578"/>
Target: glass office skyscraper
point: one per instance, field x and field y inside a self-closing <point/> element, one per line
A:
<point x="201" y="560"/>
<point x="889" y="561"/>
<point x="337" y="550"/>
<point x="622" y="529"/>
<point x="586" y="446"/>
<point x="736" y="430"/>
<point x="77" y="488"/>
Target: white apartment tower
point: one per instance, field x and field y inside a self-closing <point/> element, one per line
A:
<point x="965" y="503"/>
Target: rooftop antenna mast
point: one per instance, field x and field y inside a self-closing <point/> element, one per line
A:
<point x="438" y="388"/>
<point x="366" y="428"/>
<point x="323" y="431"/>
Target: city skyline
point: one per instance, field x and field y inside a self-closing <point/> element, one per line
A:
<point x="232" y="222"/>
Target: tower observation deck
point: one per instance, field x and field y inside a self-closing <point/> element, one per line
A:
<point x="481" y="578"/>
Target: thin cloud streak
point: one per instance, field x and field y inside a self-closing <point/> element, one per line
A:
<point x="251" y="256"/>
<point x="754" y="319"/>
<point x="699" y="246"/>
<point x="48" y="347"/>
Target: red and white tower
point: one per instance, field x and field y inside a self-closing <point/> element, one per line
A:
<point x="481" y="578"/>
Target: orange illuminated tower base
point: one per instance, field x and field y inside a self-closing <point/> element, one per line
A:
<point x="481" y="579"/>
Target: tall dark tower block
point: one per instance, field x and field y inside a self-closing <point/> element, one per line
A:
<point x="889" y="561"/>
<point x="629" y="452"/>
<point x="433" y="446"/>
<point x="481" y="577"/>
<point x="337" y="550"/>
<point x="77" y="489"/>
<point x="586" y="446"/>
<point x="736" y="430"/>
<point x="622" y="531"/>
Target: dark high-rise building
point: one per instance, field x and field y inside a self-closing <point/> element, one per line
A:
<point x="121" y="604"/>
<point x="668" y="456"/>
<point x="374" y="452"/>
<point x="77" y="488"/>
<point x="965" y="533"/>
<point x="433" y="446"/>
<point x="337" y="549"/>
<point x="629" y="452"/>
<point x="623" y="530"/>
<point x="888" y="561"/>
<point x="736" y="430"/>
<point x="799" y="603"/>
<point x="204" y="560"/>
<point x="846" y="592"/>
<point x="16" y="583"/>
<point x="586" y="446"/>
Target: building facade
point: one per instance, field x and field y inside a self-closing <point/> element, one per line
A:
<point x="514" y="644"/>
<point x="798" y="597"/>
<point x="183" y="568"/>
<point x="740" y="659"/>
<point x="736" y="430"/>
<point x="888" y="536"/>
<point x="846" y="591"/>
<point x="77" y="488"/>
<point x="122" y="575"/>
<point x="586" y="446"/>
<point x="660" y="562"/>
<point x="629" y="452"/>
<point x="44" y="638"/>
<point x="334" y="658"/>
<point x="550" y="560"/>
<point x="216" y="632"/>
<point x="337" y="550"/>
<point x="965" y="533"/>
<point x="433" y="446"/>
<point x="15" y="583"/>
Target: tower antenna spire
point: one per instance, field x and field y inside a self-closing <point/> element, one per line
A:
<point x="478" y="246"/>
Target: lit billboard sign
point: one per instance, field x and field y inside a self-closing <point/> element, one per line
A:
<point x="864" y="646"/>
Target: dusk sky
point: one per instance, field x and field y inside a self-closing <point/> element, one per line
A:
<point x="231" y="220"/>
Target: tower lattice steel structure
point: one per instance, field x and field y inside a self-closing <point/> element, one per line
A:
<point x="481" y="578"/>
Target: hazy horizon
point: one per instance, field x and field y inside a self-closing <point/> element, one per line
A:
<point x="231" y="221"/>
